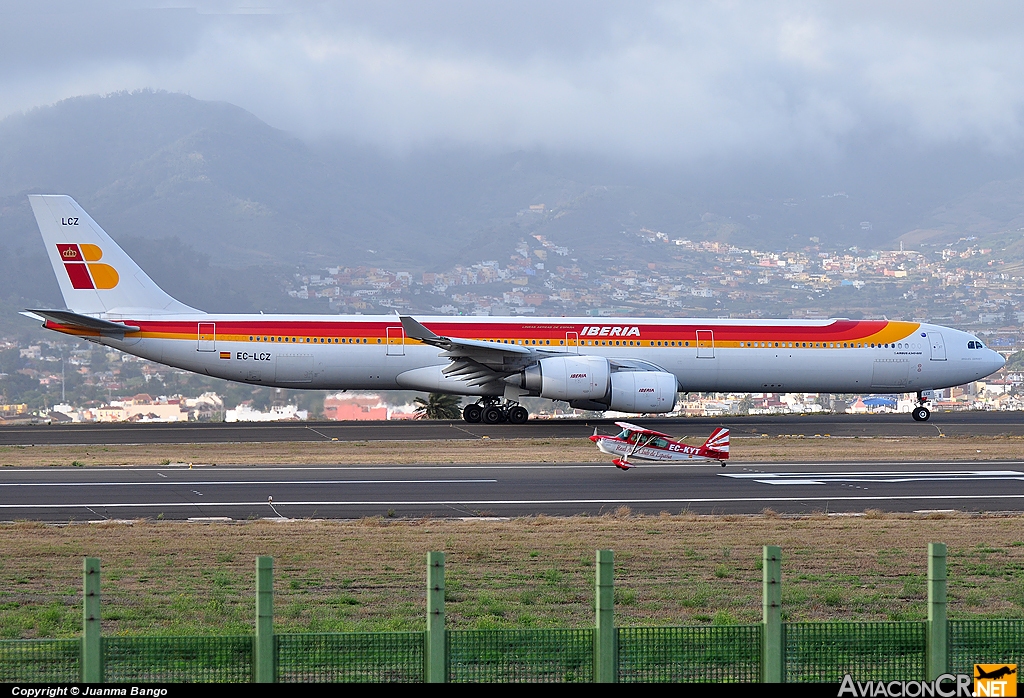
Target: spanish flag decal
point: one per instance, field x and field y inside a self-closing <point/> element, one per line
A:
<point x="81" y="264"/>
<point x="225" y="355"/>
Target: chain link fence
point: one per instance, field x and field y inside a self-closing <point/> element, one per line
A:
<point x="719" y="654"/>
<point x="521" y="656"/>
<point x="985" y="642"/>
<point x="395" y="657"/>
<point x="825" y="652"/>
<point x="227" y="659"/>
<point x="40" y="661"/>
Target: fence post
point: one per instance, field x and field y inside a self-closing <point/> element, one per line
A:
<point x="772" y="658"/>
<point x="264" y="660"/>
<point x="604" y="630"/>
<point x="92" y="650"/>
<point x="435" y="651"/>
<point x="938" y="653"/>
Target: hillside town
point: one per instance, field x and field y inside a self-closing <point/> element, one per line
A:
<point x="961" y="284"/>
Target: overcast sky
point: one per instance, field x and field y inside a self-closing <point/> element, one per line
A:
<point x="661" y="80"/>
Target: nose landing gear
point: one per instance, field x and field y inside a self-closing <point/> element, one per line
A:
<point x="490" y="411"/>
<point x="921" y="413"/>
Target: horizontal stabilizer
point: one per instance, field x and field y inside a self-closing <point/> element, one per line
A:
<point x="84" y="322"/>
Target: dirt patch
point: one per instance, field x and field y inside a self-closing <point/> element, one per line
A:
<point x="744" y="450"/>
<point x="182" y="578"/>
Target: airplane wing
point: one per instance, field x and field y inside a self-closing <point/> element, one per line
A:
<point x="474" y="361"/>
<point x="80" y="322"/>
<point x="641" y="430"/>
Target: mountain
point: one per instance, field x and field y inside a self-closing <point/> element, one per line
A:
<point x="218" y="204"/>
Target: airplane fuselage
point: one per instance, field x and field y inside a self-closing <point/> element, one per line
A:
<point x="372" y="352"/>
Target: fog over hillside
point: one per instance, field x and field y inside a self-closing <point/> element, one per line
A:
<point x="215" y="201"/>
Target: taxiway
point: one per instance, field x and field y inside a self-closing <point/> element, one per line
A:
<point x="485" y="490"/>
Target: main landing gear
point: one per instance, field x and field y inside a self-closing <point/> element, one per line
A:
<point x="921" y="413"/>
<point x="490" y="411"/>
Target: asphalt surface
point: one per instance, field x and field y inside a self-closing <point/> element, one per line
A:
<point x="204" y="493"/>
<point x="948" y="424"/>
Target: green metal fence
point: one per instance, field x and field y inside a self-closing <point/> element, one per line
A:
<point x="729" y="653"/>
<point x="521" y="656"/>
<point x="40" y="661"/>
<point x="825" y="652"/>
<point x="985" y="642"/>
<point x="226" y="659"/>
<point x="770" y="651"/>
<point x="349" y="657"/>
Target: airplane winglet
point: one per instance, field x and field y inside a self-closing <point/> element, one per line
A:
<point x="414" y="330"/>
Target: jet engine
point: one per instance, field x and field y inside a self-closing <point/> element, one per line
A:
<point x="643" y="391"/>
<point x="590" y="383"/>
<point x="569" y="378"/>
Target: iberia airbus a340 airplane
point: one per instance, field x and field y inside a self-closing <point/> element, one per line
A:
<point x="632" y="365"/>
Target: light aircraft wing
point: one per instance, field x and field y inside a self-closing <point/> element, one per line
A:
<point x="474" y="361"/>
<point x="80" y="322"/>
<point x="640" y="430"/>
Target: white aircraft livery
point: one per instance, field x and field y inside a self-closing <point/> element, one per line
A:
<point x="634" y="365"/>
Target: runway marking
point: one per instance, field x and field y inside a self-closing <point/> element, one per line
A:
<point x="196" y="483"/>
<point x="640" y="466"/>
<point x="513" y="502"/>
<point x="877" y="477"/>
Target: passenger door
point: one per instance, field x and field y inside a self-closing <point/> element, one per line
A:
<point x="207" y="336"/>
<point x="938" y="348"/>
<point x="396" y="341"/>
<point x="705" y="344"/>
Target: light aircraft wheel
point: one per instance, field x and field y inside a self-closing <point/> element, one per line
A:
<point x="493" y="415"/>
<point x="921" y="414"/>
<point x="518" y="415"/>
<point x="471" y="413"/>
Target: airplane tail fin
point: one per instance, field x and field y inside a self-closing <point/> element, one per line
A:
<point x="95" y="275"/>
<point x="718" y="441"/>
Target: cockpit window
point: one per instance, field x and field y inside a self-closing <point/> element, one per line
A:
<point x="970" y="345"/>
<point x="975" y="344"/>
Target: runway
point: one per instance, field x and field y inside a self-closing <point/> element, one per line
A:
<point x="497" y="490"/>
<point x="941" y="423"/>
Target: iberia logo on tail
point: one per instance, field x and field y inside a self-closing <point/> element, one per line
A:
<point x="81" y="263"/>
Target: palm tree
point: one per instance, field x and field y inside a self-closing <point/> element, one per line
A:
<point x="438" y="406"/>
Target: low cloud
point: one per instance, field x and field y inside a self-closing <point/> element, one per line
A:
<point x="677" y="81"/>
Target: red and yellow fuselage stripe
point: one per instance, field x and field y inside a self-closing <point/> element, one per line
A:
<point x="627" y="332"/>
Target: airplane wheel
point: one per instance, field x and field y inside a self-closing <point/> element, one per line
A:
<point x="493" y="415"/>
<point x="921" y="414"/>
<point x="471" y="413"/>
<point x="518" y="415"/>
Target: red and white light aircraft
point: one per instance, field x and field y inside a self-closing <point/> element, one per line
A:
<point x="646" y="444"/>
<point x="633" y="365"/>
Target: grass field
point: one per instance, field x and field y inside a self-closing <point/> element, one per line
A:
<point x="189" y="578"/>
<point x="744" y="450"/>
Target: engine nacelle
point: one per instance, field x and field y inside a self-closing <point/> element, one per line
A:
<point x="569" y="378"/>
<point x="643" y="391"/>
